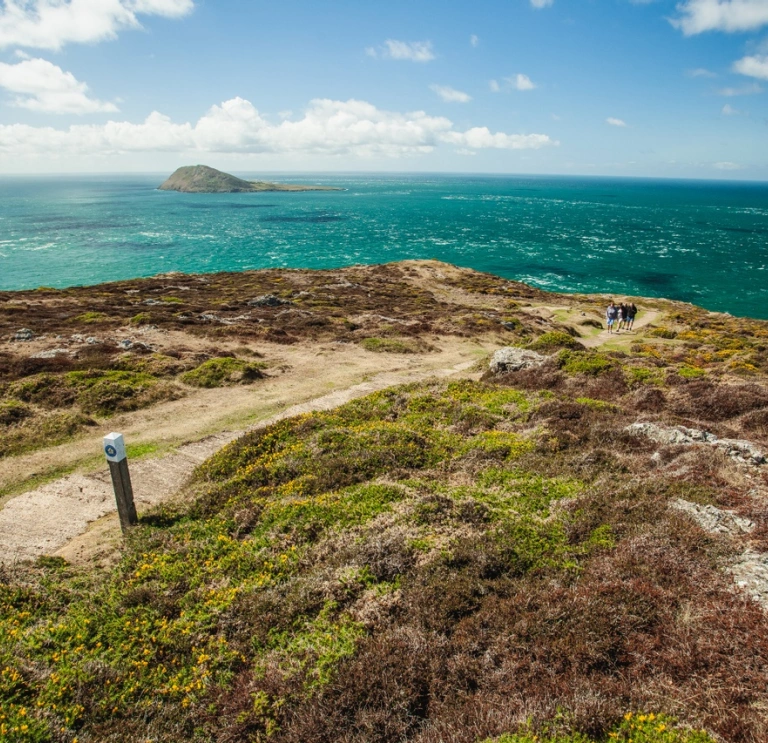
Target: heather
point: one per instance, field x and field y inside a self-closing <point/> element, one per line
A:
<point x="493" y="559"/>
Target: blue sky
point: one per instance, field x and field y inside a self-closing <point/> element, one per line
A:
<point x="602" y="87"/>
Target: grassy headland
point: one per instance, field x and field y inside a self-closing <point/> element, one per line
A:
<point x="478" y="560"/>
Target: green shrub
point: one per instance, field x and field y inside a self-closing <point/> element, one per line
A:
<point x="91" y="317"/>
<point x="143" y="318"/>
<point x="12" y="411"/>
<point x="388" y="345"/>
<point x="637" y="375"/>
<point x="39" y="431"/>
<point x="634" y="728"/>
<point x="223" y="371"/>
<point x="585" y="362"/>
<point x="109" y="392"/>
<point x="553" y="340"/>
<point x="691" y="372"/>
<point x="662" y="333"/>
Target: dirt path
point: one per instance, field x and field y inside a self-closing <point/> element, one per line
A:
<point x="55" y="517"/>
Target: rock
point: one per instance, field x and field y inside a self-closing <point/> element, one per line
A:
<point x="667" y="435"/>
<point x="268" y="300"/>
<point x="510" y="359"/>
<point x="737" y="449"/>
<point x="750" y="572"/>
<point x="51" y="353"/>
<point x="25" y="334"/>
<point x="715" y="520"/>
<point x="741" y="450"/>
<point x="125" y="344"/>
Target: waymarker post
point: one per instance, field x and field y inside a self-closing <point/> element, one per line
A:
<point x="114" y="448"/>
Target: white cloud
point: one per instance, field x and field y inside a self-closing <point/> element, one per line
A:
<point x="44" y="87"/>
<point x="480" y="137"/>
<point x="756" y="66"/>
<point x="541" y="3"/>
<point x="451" y="95"/>
<point x="50" y="24"/>
<point x="727" y="166"/>
<point x="751" y="89"/>
<point x="328" y="127"/>
<point x="729" y="110"/>
<point x="474" y="40"/>
<point x="700" y="72"/>
<point x="412" y="51"/>
<point x="698" y="16"/>
<point x="494" y="86"/>
<point x="615" y="122"/>
<point x="521" y="82"/>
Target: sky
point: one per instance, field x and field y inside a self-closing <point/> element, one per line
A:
<point x="648" y="88"/>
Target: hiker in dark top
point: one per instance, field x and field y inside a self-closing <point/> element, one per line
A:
<point x="631" y="312"/>
<point x="610" y="315"/>
<point x="623" y="315"/>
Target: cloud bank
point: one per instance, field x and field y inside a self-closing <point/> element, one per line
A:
<point x="51" y="24"/>
<point x="328" y="127"/>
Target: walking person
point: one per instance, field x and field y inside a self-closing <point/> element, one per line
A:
<point x="631" y="313"/>
<point x="623" y="315"/>
<point x="610" y="315"/>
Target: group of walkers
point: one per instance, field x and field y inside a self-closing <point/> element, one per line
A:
<point x="622" y="316"/>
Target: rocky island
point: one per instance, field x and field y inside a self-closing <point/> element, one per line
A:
<point x="203" y="179"/>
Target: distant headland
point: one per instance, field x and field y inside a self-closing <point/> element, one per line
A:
<point x="202" y="179"/>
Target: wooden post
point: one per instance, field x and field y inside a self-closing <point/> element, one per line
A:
<point x="114" y="448"/>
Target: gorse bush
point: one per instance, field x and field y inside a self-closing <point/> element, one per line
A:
<point x="634" y="728"/>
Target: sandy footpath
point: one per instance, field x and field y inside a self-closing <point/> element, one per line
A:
<point x="55" y="518"/>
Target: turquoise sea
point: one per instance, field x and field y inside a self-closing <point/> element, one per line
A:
<point x="702" y="242"/>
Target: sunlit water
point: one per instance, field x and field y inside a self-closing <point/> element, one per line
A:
<point x="702" y="242"/>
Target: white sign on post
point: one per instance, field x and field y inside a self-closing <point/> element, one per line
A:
<point x="114" y="447"/>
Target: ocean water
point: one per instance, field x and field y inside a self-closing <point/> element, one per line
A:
<point x="701" y="242"/>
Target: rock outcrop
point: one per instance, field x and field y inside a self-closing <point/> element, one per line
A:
<point x="738" y="449"/>
<point x="510" y="359"/>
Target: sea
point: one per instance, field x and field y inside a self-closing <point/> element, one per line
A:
<point x="704" y="242"/>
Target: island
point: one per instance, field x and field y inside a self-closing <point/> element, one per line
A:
<point x="203" y="179"/>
